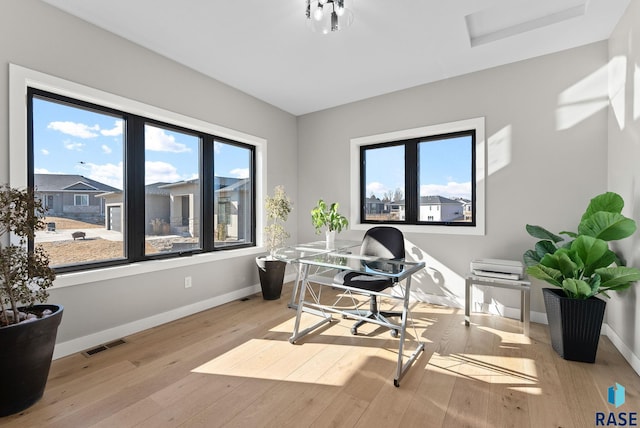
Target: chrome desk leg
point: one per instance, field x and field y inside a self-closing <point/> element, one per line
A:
<point x="526" y="310"/>
<point x="300" y="309"/>
<point x="402" y="368"/>
<point x="296" y="287"/>
<point x="467" y="301"/>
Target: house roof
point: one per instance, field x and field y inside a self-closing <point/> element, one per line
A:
<point x="69" y="183"/>
<point x="157" y="188"/>
<point x="374" y="200"/>
<point x="437" y="200"/>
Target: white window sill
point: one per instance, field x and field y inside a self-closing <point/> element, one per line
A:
<point x="114" y="272"/>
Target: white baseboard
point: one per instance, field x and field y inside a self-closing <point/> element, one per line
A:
<point x="627" y="353"/>
<point x="80" y="344"/>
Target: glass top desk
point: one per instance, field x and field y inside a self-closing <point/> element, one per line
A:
<point x="320" y="268"/>
<point x="291" y="254"/>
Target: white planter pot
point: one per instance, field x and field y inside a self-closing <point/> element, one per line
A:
<point x="330" y="238"/>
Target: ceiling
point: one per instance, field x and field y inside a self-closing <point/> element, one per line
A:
<point x="265" y="48"/>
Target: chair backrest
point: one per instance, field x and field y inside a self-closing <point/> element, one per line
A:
<point x="383" y="241"/>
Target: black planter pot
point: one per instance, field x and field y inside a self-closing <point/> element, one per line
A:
<point x="271" y="277"/>
<point x="25" y="358"/>
<point x="574" y="325"/>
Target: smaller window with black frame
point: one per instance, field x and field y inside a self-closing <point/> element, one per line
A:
<point x="427" y="180"/>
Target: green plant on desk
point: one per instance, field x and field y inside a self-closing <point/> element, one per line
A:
<point x="323" y="216"/>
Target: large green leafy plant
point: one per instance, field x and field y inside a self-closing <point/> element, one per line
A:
<point x="583" y="265"/>
<point x="323" y="215"/>
<point x="25" y="274"/>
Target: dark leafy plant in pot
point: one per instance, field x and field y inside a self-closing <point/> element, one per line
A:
<point x="271" y="270"/>
<point x="582" y="266"/>
<point x="27" y="331"/>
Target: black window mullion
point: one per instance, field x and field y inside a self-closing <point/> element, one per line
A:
<point x="363" y="184"/>
<point x="254" y="207"/>
<point x="411" y="194"/>
<point x="207" y="174"/>
<point x="30" y="157"/>
<point x="473" y="176"/>
<point x="134" y="187"/>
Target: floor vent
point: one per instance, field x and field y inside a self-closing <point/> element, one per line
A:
<point x="244" y="299"/>
<point x="103" y="347"/>
<point x="115" y="343"/>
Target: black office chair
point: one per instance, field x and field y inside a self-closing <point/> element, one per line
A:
<point x="381" y="241"/>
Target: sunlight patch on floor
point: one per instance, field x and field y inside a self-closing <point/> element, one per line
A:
<point x="268" y="359"/>
<point x="495" y="369"/>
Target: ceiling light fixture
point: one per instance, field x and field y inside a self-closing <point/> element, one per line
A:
<point x="325" y="16"/>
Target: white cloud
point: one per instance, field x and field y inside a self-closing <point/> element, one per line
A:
<point x="240" y="173"/>
<point x="217" y="146"/>
<point x="109" y="173"/>
<point x="376" y="188"/>
<point x="72" y="145"/>
<point x="44" y="152"/>
<point x="155" y="172"/>
<point x="449" y="190"/>
<point x="113" y="132"/>
<point x="158" y="140"/>
<point x="74" y="129"/>
<point x="106" y="149"/>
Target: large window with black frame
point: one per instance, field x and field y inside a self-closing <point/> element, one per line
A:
<point x="428" y="180"/>
<point x="120" y="187"/>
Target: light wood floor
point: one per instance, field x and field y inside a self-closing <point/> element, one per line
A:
<point x="233" y="366"/>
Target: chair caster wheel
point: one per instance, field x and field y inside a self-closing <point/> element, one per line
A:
<point x="394" y="333"/>
<point x="396" y="383"/>
<point x="354" y="331"/>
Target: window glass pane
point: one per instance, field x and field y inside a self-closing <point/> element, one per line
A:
<point x="78" y="174"/>
<point x="82" y="200"/>
<point x="172" y="190"/>
<point x="384" y="177"/>
<point x="232" y="195"/>
<point x="445" y="183"/>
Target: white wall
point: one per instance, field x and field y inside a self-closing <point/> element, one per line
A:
<point x="624" y="170"/>
<point x="42" y="38"/>
<point x="546" y="126"/>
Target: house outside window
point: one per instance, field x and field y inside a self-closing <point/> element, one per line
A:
<point x="420" y="175"/>
<point x="429" y="179"/>
<point x="141" y="188"/>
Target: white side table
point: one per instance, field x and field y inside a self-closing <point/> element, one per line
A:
<point x="524" y="285"/>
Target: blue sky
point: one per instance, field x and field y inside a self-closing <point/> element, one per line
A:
<point x="69" y="140"/>
<point x="445" y="168"/>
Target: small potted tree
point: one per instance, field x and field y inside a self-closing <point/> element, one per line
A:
<point x="327" y="218"/>
<point x="27" y="331"/>
<point x="581" y="267"/>
<point x="271" y="270"/>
